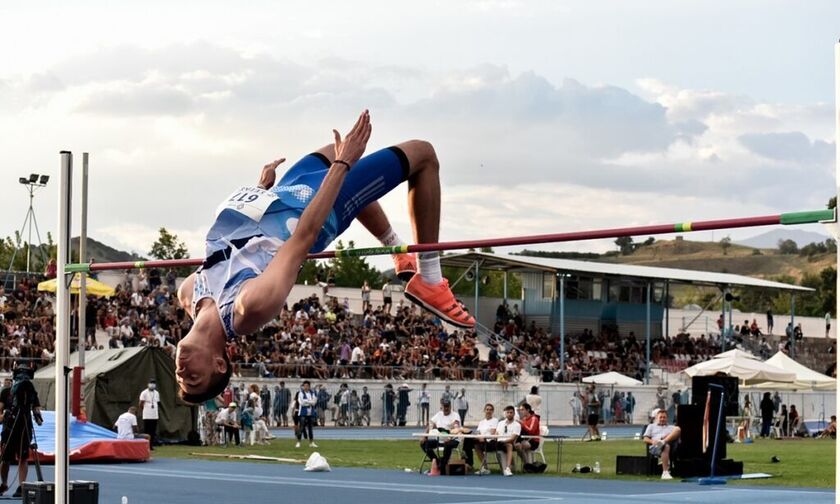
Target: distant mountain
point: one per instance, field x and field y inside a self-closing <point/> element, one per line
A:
<point x="770" y="239"/>
<point x="103" y="253"/>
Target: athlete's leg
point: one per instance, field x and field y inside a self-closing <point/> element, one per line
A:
<point x="423" y="190"/>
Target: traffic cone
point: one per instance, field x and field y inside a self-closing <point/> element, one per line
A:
<point x="435" y="470"/>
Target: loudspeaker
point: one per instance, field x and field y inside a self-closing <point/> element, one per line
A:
<point x="690" y="422"/>
<point x="43" y="492"/>
<point x="700" y="385"/>
<point x="636" y="465"/>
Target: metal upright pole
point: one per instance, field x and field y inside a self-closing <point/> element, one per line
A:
<point x="562" y="324"/>
<point x="837" y="200"/>
<point x="83" y="277"/>
<point x="667" y="308"/>
<point x="476" y="292"/>
<point x="792" y="326"/>
<point x="504" y="289"/>
<point x="723" y="320"/>
<point x="62" y="329"/>
<point x="29" y="240"/>
<point x="647" y="337"/>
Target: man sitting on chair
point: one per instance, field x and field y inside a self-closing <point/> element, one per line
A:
<point x="445" y="422"/>
<point x="486" y="427"/>
<point x="510" y="429"/>
<point x="662" y="440"/>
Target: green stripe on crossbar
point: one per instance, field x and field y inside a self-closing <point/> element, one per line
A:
<point x="789" y="219"/>
<point x="398" y="249"/>
<point x="77" y="268"/>
<point x="682" y="227"/>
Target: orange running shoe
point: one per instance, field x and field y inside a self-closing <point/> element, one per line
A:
<point x="439" y="300"/>
<point x="405" y="266"/>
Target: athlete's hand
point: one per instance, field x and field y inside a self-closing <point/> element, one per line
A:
<point x="268" y="174"/>
<point x="353" y="146"/>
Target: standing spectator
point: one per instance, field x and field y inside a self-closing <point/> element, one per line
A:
<point x="282" y="398"/>
<point x="447" y="395"/>
<point x="769" y="322"/>
<point x="388" y="397"/>
<point x="676" y="399"/>
<point x="265" y="401"/>
<point x="423" y="405"/>
<point x="576" y="407"/>
<point x="593" y="409"/>
<point x="208" y="427"/>
<point x="307" y="412"/>
<point x="227" y="419"/>
<point x="51" y="269"/>
<point x="402" y="403"/>
<point x="629" y="407"/>
<point x="462" y="405"/>
<point x="777" y="402"/>
<point x="827" y="323"/>
<point x="150" y="404"/>
<point x="364" y="407"/>
<point x="660" y="397"/>
<point x="322" y="403"/>
<point x="535" y="400"/>
<point x="365" y="296"/>
<point x="387" y="299"/>
<point x="767" y="411"/>
<point x="784" y="415"/>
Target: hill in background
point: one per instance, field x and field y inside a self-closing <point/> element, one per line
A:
<point x="103" y="253"/>
<point x="770" y="239"/>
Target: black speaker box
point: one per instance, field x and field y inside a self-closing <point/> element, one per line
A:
<point x="43" y="492"/>
<point x="637" y="465"/>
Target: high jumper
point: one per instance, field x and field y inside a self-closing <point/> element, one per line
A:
<point x="263" y="234"/>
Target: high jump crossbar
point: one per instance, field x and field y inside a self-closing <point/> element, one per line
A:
<point x="787" y="219"/>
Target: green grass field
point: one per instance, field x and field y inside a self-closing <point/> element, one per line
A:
<point x="803" y="463"/>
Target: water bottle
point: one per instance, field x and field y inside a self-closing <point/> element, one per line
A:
<point x="597" y="467"/>
<point x="124" y="500"/>
<point x="603" y="436"/>
<point x="577" y="467"/>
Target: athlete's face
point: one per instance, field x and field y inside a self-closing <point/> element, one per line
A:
<point x="196" y="364"/>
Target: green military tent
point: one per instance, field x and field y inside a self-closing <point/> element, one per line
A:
<point x="114" y="379"/>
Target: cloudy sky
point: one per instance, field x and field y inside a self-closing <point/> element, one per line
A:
<point x="547" y="116"/>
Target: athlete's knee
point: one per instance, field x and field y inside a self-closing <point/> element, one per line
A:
<point x="420" y="153"/>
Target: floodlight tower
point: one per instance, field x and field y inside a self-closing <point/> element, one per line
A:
<point x="33" y="182"/>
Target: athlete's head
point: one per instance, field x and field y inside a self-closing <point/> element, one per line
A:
<point x="202" y="366"/>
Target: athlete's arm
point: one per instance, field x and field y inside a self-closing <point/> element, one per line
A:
<point x="268" y="174"/>
<point x="261" y="299"/>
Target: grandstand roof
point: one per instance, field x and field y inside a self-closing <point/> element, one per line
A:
<point x="520" y="264"/>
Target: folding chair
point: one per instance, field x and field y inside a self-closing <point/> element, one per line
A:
<point x="439" y="450"/>
<point x="539" y="451"/>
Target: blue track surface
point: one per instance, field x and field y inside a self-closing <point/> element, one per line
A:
<point x="170" y="481"/>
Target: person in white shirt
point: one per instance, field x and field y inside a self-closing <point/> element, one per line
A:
<point x="227" y="418"/>
<point x="535" y="400"/>
<point x="444" y="421"/>
<point x="486" y="427"/>
<point x="510" y="430"/>
<point x="662" y="440"/>
<point x="150" y="404"/>
<point x="126" y="425"/>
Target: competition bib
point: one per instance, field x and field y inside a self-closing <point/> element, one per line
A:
<point x="251" y="202"/>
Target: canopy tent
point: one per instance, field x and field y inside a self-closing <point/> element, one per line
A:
<point x="93" y="287"/>
<point x="742" y="365"/>
<point x="612" y="378"/>
<point x="806" y="378"/>
<point x="114" y="379"/>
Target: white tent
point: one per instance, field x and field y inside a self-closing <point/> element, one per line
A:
<point x="743" y="365"/>
<point x="806" y="378"/>
<point x="612" y="378"/>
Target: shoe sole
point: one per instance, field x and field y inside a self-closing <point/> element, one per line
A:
<point x="437" y="313"/>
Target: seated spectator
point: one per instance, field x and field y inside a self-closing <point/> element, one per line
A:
<point x="228" y="420"/>
<point x="662" y="440"/>
<point x="510" y="429"/>
<point x="831" y="430"/>
<point x="530" y="423"/>
<point x="486" y="427"/>
<point x="127" y="427"/>
<point x="793" y="424"/>
<point x="444" y="421"/>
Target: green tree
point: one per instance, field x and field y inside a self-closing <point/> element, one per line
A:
<point x="788" y="247"/>
<point x="352" y="271"/>
<point x="625" y="244"/>
<point x="725" y="243"/>
<point x="168" y="246"/>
